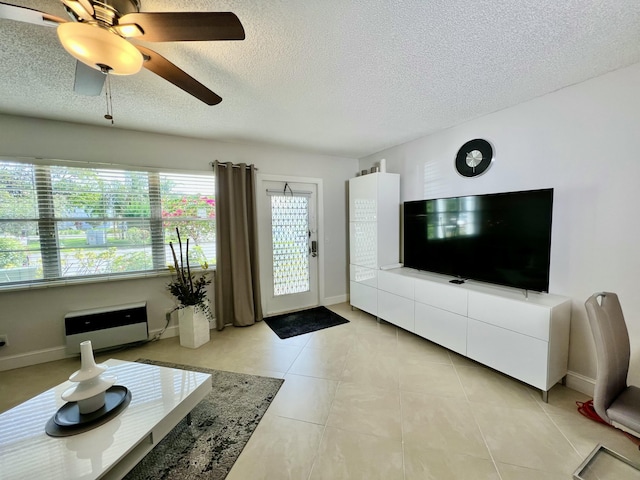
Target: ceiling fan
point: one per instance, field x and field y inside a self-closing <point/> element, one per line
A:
<point x="98" y="37"/>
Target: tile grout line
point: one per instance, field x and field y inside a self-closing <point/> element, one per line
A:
<point x="324" y="430"/>
<point x="486" y="444"/>
<point x="562" y="433"/>
<point x="537" y="399"/>
<point x="402" y="444"/>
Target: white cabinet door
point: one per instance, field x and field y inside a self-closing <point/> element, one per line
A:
<point x="396" y="310"/>
<point x="374" y="219"/>
<point x="442" y="327"/>
<point x="363" y="244"/>
<point x="519" y="356"/>
<point x="364" y="297"/>
<point x="396" y="284"/>
<point x="445" y="296"/>
<point x="517" y="315"/>
<point x="364" y="275"/>
<point x="388" y="218"/>
<point x="363" y="198"/>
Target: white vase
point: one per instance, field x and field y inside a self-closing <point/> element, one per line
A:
<point x="194" y="326"/>
<point x="91" y="382"/>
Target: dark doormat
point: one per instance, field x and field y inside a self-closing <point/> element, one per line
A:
<point x="306" y="321"/>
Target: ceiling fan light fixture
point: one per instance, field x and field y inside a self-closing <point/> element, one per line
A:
<point x="80" y="9"/>
<point x="97" y="47"/>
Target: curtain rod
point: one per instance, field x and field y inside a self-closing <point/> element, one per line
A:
<point x="234" y="166"/>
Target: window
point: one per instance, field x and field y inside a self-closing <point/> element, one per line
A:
<point x="61" y="221"/>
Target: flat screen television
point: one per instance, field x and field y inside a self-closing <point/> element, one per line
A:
<point x="500" y="238"/>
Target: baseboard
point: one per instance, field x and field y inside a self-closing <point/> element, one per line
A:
<point x="580" y="383"/>
<point x="336" y="299"/>
<point x="33" y="358"/>
<point x="59" y="353"/>
<point x="172" y="331"/>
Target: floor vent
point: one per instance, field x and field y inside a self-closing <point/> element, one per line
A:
<point x="106" y="327"/>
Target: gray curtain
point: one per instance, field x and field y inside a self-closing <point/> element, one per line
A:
<point x="237" y="283"/>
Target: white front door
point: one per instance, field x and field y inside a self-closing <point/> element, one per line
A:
<point x="288" y="238"/>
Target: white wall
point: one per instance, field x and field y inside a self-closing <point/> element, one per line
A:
<point x="33" y="319"/>
<point x="583" y="142"/>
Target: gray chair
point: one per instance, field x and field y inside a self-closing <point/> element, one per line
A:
<point x="615" y="402"/>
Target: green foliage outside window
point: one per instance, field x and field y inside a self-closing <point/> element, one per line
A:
<point x="12" y="254"/>
<point x="64" y="221"/>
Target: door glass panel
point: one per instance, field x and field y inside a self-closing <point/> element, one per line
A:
<point x="290" y="234"/>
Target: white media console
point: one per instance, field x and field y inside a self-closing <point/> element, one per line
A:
<point x="523" y="336"/>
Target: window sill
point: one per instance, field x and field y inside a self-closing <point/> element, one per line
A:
<point x="88" y="280"/>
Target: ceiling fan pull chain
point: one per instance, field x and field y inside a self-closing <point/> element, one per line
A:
<point x="109" y="115"/>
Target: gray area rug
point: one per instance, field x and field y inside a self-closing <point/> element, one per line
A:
<point x="221" y="426"/>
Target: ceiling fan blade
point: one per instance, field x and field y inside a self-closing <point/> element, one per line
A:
<point x="88" y="81"/>
<point x="186" y="26"/>
<point x="29" y="15"/>
<point x="167" y="70"/>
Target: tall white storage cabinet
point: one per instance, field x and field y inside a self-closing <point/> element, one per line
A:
<point x="374" y="234"/>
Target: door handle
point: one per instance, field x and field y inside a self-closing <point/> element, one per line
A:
<point x="314" y="248"/>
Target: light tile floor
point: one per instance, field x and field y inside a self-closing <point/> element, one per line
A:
<point x="367" y="400"/>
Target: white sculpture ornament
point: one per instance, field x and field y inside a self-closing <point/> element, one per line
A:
<point x="91" y="381"/>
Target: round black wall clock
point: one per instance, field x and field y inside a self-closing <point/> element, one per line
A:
<point x="474" y="158"/>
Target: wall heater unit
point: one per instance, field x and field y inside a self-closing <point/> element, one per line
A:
<point x="106" y="327"/>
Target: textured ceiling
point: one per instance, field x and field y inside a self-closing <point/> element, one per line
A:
<point x="340" y="77"/>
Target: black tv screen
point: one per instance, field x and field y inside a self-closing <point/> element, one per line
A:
<point x="500" y="238"/>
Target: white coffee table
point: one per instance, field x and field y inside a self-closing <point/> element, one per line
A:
<point x="161" y="397"/>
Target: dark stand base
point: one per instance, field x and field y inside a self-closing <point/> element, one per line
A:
<point x="69" y="421"/>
